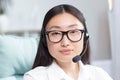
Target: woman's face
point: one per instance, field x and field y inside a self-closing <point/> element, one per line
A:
<point x="64" y="50"/>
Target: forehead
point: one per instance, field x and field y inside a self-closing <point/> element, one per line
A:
<point x="63" y="21"/>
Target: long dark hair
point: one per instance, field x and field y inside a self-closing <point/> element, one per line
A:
<point x="43" y="57"/>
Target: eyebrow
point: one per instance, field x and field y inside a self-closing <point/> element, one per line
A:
<point x="54" y="27"/>
<point x="58" y="27"/>
<point x="73" y="25"/>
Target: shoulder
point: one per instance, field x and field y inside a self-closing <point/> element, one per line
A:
<point x="38" y="73"/>
<point x="93" y="68"/>
<point x="98" y="72"/>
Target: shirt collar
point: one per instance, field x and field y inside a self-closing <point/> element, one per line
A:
<point x="59" y="74"/>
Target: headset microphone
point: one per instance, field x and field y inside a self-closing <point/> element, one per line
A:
<point x="78" y="57"/>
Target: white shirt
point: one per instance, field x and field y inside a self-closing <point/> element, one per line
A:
<point x="54" y="72"/>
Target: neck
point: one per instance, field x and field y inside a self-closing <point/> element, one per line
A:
<point x="70" y="68"/>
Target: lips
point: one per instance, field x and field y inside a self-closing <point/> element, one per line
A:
<point x="66" y="51"/>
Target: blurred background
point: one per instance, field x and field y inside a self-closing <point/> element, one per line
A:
<point x="25" y="17"/>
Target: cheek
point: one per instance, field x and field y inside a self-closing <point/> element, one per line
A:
<point x="79" y="47"/>
<point x="51" y="47"/>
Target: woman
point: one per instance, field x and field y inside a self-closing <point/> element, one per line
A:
<point x="63" y="42"/>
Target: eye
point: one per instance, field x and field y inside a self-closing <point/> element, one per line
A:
<point x="74" y="31"/>
<point x="55" y="33"/>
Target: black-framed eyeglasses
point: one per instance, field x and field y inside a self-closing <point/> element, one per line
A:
<point x="73" y="35"/>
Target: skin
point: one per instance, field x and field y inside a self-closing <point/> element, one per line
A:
<point x="65" y="50"/>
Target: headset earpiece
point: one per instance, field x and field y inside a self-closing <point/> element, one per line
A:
<point x="86" y="36"/>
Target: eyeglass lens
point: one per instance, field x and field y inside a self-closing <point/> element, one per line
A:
<point x="72" y="35"/>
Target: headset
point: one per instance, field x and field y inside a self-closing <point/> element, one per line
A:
<point x="86" y="38"/>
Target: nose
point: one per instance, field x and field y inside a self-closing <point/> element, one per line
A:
<point x="65" y="41"/>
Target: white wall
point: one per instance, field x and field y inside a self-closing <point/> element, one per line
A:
<point x="114" y="20"/>
<point x="28" y="14"/>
